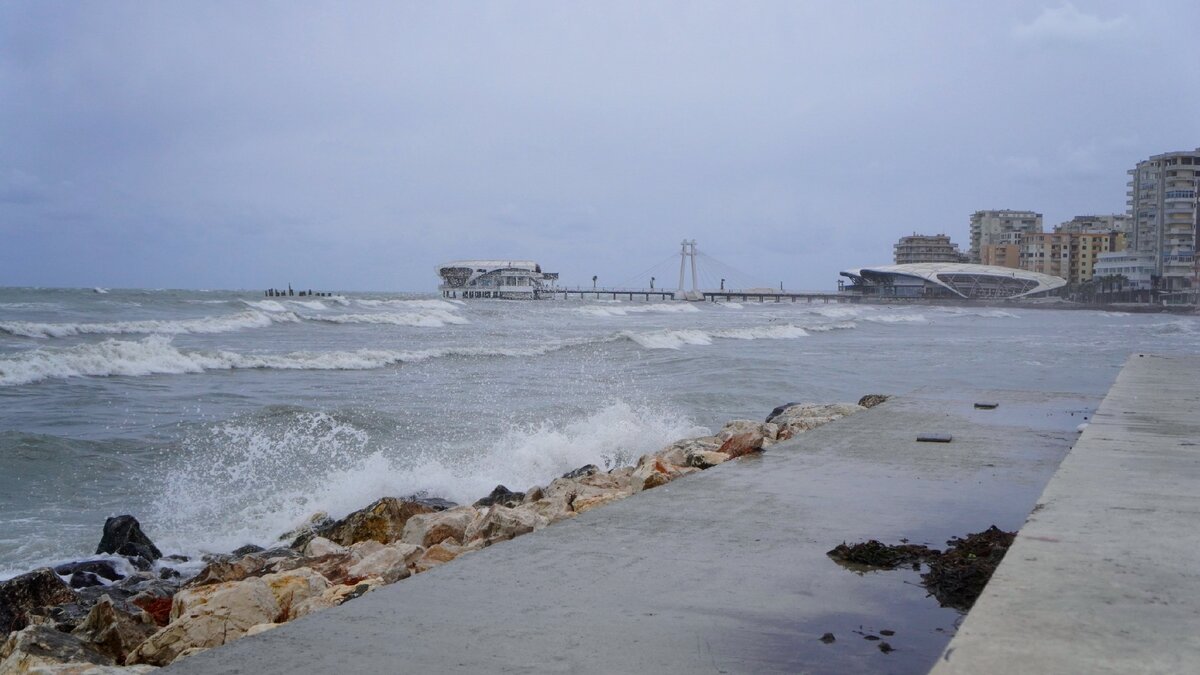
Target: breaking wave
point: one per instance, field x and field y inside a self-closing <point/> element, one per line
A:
<point x="662" y="308"/>
<point x="431" y="318"/>
<point x="241" y="482"/>
<point x="676" y="339"/>
<point x="205" y="325"/>
<point x="155" y="355"/>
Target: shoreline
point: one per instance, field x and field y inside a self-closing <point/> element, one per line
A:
<point x="134" y="607"/>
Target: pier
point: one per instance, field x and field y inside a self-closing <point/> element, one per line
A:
<point x="726" y="570"/>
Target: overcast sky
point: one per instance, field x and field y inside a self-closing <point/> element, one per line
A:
<point x="355" y="146"/>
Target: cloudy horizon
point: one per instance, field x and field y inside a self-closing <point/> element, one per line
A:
<point x="355" y="147"/>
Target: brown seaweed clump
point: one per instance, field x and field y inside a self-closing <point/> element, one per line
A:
<point x="957" y="577"/>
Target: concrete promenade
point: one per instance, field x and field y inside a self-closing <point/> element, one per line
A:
<point x="720" y="572"/>
<point x="1104" y="577"/>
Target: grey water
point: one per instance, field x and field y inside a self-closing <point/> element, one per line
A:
<point x="221" y="418"/>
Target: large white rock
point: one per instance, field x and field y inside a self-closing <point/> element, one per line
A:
<point x="292" y="587"/>
<point x="320" y="546"/>
<point x="427" y="529"/>
<point x="501" y="523"/>
<point x="209" y="616"/>
<point x="390" y="563"/>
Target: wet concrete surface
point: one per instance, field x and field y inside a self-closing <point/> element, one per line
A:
<point x="724" y="571"/>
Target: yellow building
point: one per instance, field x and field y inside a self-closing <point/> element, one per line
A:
<point x="1070" y="255"/>
<point x="1001" y="255"/>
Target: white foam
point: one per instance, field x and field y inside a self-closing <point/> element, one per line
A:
<point x="253" y="481"/>
<point x="430" y="318"/>
<point x="266" y="305"/>
<point x="155" y="355"/>
<point x="309" y="304"/>
<point x="895" y="318"/>
<point x="412" y="304"/>
<point x="677" y="339"/>
<point x="658" y="308"/>
<point x="205" y="325"/>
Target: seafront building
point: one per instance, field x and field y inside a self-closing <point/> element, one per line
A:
<point x="1072" y="256"/>
<point x="949" y="280"/>
<point x="920" y="248"/>
<point x="499" y="279"/>
<point x="1162" y="204"/>
<point x="1002" y="226"/>
<point x="1131" y="270"/>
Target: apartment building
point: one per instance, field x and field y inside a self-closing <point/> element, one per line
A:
<point x="1001" y="255"/>
<point x="1003" y="226"/>
<point x="1104" y="224"/>
<point x="1072" y="256"/>
<point x="1162" y="207"/>
<point x="919" y="248"/>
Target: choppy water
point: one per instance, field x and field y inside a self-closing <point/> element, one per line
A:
<point x="225" y="418"/>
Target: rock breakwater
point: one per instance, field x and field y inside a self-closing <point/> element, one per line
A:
<point x="132" y="610"/>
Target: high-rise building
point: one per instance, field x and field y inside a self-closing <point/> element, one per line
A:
<point x="919" y="248"/>
<point x="1001" y="255"/>
<point x="1070" y="255"/>
<point x="1162" y="206"/>
<point x="1105" y="224"/>
<point x="1002" y="226"/>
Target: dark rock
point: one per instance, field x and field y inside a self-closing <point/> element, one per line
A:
<point x="44" y="646"/>
<point x="934" y="438"/>
<point x="123" y="536"/>
<point x="872" y="400"/>
<point x="887" y="633"/>
<point x="779" y="410"/>
<point x="435" y="503"/>
<point x="141" y="563"/>
<point x="886" y="648"/>
<point x="582" y="471"/>
<point x="502" y="496"/>
<point x="175" y="557"/>
<point x="828" y="638"/>
<point x="383" y="521"/>
<point x="105" y="569"/>
<point x="169" y="573"/>
<point x="281" y="552"/>
<point x="23" y="595"/>
<point x="82" y="579"/>
<point x="247" y="550"/>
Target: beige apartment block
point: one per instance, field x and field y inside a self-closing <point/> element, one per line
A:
<point x="1072" y="256"/>
<point x="1002" y="226"/>
<point x="1001" y="255"/>
<point x="919" y="248"/>
<point x="1162" y="204"/>
<point x="1105" y="224"/>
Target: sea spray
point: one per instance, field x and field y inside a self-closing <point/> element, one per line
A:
<point x="251" y="479"/>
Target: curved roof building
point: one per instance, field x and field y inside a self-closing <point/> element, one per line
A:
<point x="950" y="280"/>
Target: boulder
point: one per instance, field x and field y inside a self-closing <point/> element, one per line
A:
<point x="334" y="596"/>
<point x="872" y="400"/>
<point x="651" y="472"/>
<point x="439" y="554"/>
<point x="23" y="595"/>
<point x="779" y="410"/>
<point x="92" y="669"/>
<point x="742" y="444"/>
<point x="382" y="521"/>
<point x="586" y="470"/>
<point x="801" y="417"/>
<point x="320" y="546"/>
<point x="534" y="493"/>
<point x="435" y="503"/>
<point x="36" y="647"/>
<point x="333" y="567"/>
<point x="293" y="587"/>
<point x="114" y="632"/>
<point x="364" y="549"/>
<point x="608" y="481"/>
<point x="105" y="569"/>
<point x="706" y="459"/>
<point x="123" y="536"/>
<point x="301" y="534"/>
<point x="738" y="427"/>
<point x="225" y="568"/>
<point x="209" y="616"/>
<point x="261" y="628"/>
<point x="553" y="509"/>
<point x="582" y="504"/>
<point x="500" y="523"/>
<point x="84" y="580"/>
<point x="390" y="563"/>
<point x="247" y="550"/>
<point x="430" y="528"/>
<point x="502" y="496"/>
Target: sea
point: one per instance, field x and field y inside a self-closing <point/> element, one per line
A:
<point x="222" y="418"/>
